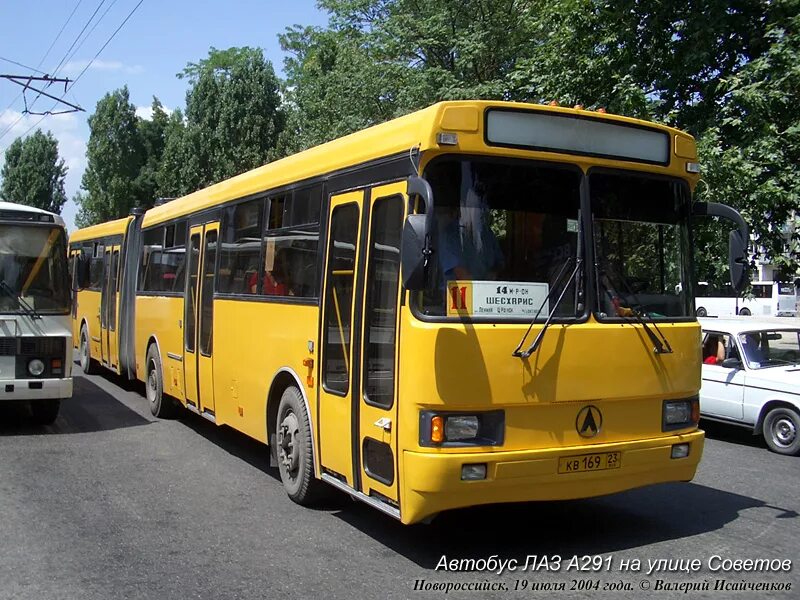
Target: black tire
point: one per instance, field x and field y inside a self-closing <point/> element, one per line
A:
<point x="161" y="406"/>
<point x="293" y="450"/>
<point x="701" y="312"/>
<point x="45" y="412"/>
<point x="88" y="365"/>
<point x="781" y="429"/>
<point x="745" y="312"/>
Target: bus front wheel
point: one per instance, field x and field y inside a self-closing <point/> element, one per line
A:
<point x="161" y="406"/>
<point x="745" y="312"/>
<point x="88" y="364"/>
<point x="701" y="312"/>
<point x="293" y="449"/>
<point x="45" y="412"/>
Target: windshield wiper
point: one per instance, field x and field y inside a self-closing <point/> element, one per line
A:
<point x="660" y="346"/>
<point x="538" y="340"/>
<point x="29" y="310"/>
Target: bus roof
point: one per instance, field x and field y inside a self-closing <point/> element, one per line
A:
<point x="417" y="129"/>
<point x="117" y="227"/>
<point x="12" y="207"/>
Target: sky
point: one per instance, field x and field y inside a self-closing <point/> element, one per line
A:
<point x="156" y="42"/>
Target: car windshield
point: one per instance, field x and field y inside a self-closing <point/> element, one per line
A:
<point x="641" y="245"/>
<point x="33" y="269"/>
<point x="504" y="231"/>
<point x="771" y="347"/>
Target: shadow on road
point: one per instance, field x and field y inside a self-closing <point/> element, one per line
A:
<point x="733" y="434"/>
<point x="90" y="409"/>
<point x="253" y="452"/>
<point x="578" y="527"/>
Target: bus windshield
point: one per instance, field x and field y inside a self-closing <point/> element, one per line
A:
<point x="33" y="269"/>
<point x="641" y="245"/>
<point x="504" y="230"/>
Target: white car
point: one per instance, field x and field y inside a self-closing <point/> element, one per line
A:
<point x="751" y="377"/>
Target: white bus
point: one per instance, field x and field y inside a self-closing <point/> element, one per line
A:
<point x="35" y="324"/>
<point x="767" y="298"/>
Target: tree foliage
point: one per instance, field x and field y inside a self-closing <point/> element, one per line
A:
<point x="232" y="121"/>
<point x="115" y="156"/>
<point x="724" y="70"/>
<point x="33" y="174"/>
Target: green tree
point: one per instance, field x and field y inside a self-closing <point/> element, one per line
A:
<point x="115" y="155"/>
<point x="33" y="174"/>
<point x="232" y="122"/>
<point x="153" y="135"/>
<point x="724" y="70"/>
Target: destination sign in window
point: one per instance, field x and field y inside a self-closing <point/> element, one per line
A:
<point x="576" y="135"/>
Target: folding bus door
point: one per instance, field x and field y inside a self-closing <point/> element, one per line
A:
<point x="337" y="355"/>
<point x="104" y="302"/>
<point x="108" y="307"/>
<point x="199" y="317"/>
<point x="357" y="398"/>
<point x="377" y="409"/>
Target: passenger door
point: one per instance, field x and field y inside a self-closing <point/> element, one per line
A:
<point x="199" y="317"/>
<point x="358" y="392"/>
<point x="377" y="410"/>
<point x="337" y="355"/>
<point x="104" y="302"/>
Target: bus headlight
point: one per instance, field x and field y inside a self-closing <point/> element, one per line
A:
<point x="36" y="367"/>
<point x="461" y="429"/>
<point x="677" y="414"/>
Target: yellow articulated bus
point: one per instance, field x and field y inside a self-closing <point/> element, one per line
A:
<point x="479" y="302"/>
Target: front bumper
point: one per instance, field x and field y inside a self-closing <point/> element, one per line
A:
<point x="433" y="480"/>
<point x="21" y="389"/>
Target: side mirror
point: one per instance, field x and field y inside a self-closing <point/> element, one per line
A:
<point x="731" y="363"/>
<point x="737" y="242"/>
<point x="416" y="247"/>
<point x="83" y="267"/>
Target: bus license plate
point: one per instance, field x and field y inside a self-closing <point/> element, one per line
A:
<point x="589" y="462"/>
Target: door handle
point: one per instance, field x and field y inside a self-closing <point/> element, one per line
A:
<point x="384" y="423"/>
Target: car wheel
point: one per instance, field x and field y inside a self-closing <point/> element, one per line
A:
<point x="293" y="449"/>
<point x="745" y="312"/>
<point x="782" y="431"/>
<point x="45" y="412"/>
<point x="161" y="406"/>
<point x="88" y="364"/>
<point x="701" y="312"/>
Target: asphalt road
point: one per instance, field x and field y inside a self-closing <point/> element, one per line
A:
<point x="111" y="503"/>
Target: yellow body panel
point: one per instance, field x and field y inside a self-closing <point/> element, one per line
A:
<point x="101" y="230"/>
<point x="88" y="313"/>
<point x="160" y="319"/>
<point x="432" y="481"/>
<point x="253" y="341"/>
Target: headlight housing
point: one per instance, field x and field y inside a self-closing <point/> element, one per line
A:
<point x="35" y="367"/>
<point x="680" y="414"/>
<point x="451" y="429"/>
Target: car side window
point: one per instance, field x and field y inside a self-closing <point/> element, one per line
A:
<point x="717" y="347"/>
<point x="731" y="350"/>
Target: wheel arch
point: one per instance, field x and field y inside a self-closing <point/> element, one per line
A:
<point x="768" y="406"/>
<point x="282" y="379"/>
<point x="152" y="339"/>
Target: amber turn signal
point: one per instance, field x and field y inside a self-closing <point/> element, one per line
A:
<point x="437" y="430"/>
